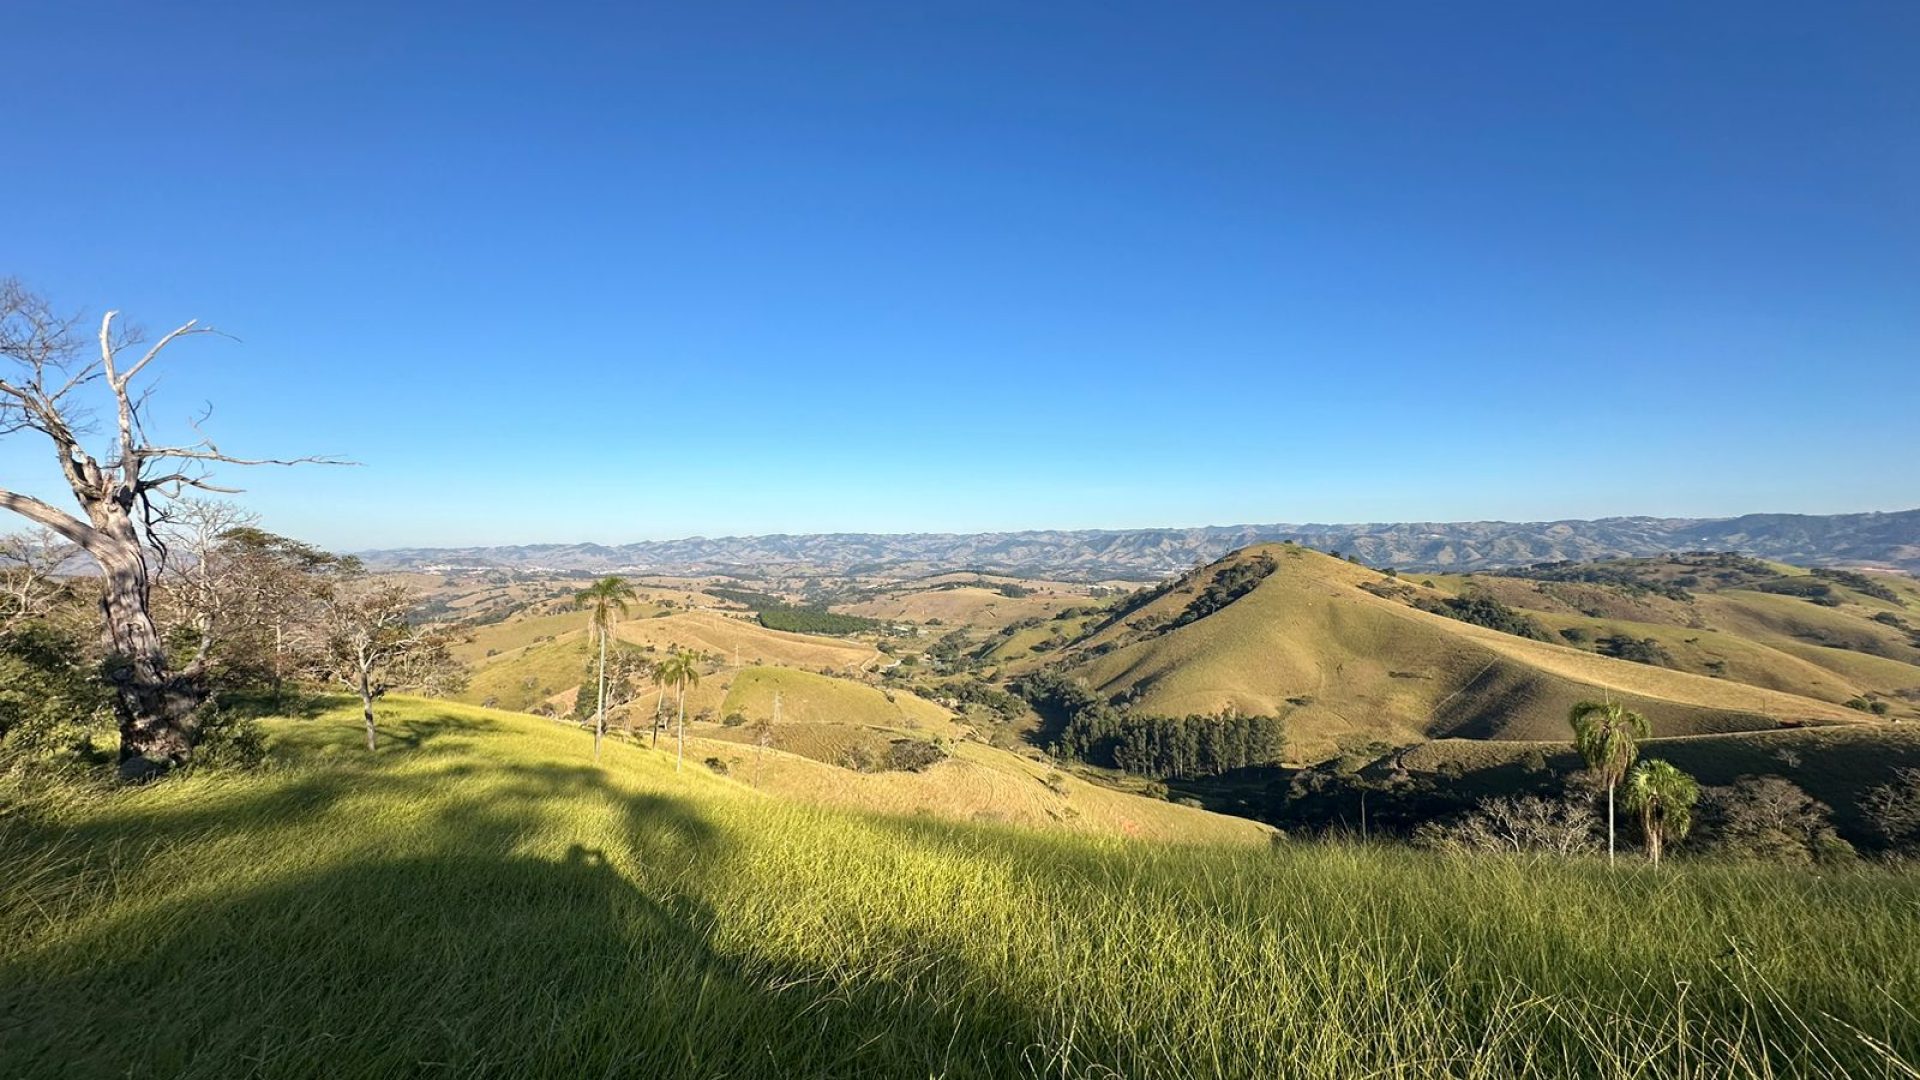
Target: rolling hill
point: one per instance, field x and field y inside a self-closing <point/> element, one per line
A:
<point x="1872" y="539"/>
<point x="1342" y="653"/>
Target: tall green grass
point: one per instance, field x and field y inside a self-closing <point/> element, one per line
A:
<point x="478" y="899"/>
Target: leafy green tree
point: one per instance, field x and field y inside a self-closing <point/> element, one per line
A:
<point x="1608" y="735"/>
<point x="1664" y="797"/>
<point x="605" y="600"/>
<point x="679" y="670"/>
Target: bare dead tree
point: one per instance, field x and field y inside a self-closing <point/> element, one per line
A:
<point x="366" y="639"/>
<point x="49" y="384"/>
<point x="192" y="533"/>
<point x="30" y="565"/>
<point x="239" y="589"/>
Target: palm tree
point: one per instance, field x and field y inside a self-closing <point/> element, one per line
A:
<point x="680" y="670"/>
<point x="657" y="673"/>
<point x="1664" y="796"/>
<point x="1608" y="735"/>
<point x="604" y="600"/>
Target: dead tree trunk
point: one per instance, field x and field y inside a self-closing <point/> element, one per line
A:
<point x="121" y="496"/>
<point x="156" y="707"/>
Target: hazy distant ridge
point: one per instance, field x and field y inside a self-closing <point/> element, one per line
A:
<point x="1876" y="539"/>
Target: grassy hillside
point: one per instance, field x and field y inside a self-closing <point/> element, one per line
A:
<point x="478" y="897"/>
<point x="539" y="658"/>
<point x="980" y="783"/>
<point x="522" y="678"/>
<point x="1338" y="651"/>
<point x="960" y="605"/>
<point x="1715" y="618"/>
<point x="807" y="697"/>
<point x="738" y="641"/>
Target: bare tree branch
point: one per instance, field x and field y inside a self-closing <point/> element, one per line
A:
<point x="122" y="502"/>
<point x="41" y="513"/>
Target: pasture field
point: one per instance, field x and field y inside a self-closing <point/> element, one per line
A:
<point x="741" y="641"/>
<point x="960" y="605"/>
<point x="478" y="896"/>
<point x="807" y="697"/>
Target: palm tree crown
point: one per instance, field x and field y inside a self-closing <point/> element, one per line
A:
<point x="679" y="669"/>
<point x="1608" y="735"/>
<point x="604" y="600"/>
<point x="1664" y="796"/>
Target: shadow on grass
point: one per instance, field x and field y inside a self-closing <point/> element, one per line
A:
<point x="451" y="950"/>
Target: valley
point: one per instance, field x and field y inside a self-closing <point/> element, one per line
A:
<point x="1459" y="672"/>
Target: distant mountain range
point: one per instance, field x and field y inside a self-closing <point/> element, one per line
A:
<point x="1888" y="540"/>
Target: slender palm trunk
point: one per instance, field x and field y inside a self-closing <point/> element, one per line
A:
<point x="600" y="702"/>
<point x="1609" y="824"/>
<point x="659" y="715"/>
<point x="1653" y="842"/>
<point x="681" y="753"/>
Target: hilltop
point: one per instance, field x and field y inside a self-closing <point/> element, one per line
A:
<point x="1874" y="539"/>
<point x="1349" y="656"/>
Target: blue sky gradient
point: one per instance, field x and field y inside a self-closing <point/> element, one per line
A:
<point x="617" y="272"/>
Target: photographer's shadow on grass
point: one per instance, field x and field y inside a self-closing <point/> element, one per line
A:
<point x="475" y="943"/>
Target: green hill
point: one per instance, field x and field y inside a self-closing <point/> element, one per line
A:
<point x="1348" y="657"/>
<point x="478" y="897"/>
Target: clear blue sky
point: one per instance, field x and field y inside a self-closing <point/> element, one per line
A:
<point x="612" y="272"/>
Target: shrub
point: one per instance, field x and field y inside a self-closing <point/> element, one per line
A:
<point x="1892" y="810"/>
<point x="1485" y="611"/>
<point x="1805" y="588"/>
<point x="1861" y="583"/>
<point x="1767" y="817"/>
<point x="228" y="740"/>
<point x="1229" y="584"/>
<point x="1520" y="824"/>
<point x="916" y="755"/>
<point x="717" y="765"/>
<point x="1638" y="650"/>
<point x="859" y="757"/>
<point x="50" y="699"/>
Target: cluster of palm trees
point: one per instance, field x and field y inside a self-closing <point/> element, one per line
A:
<point x="606" y="601"/>
<point x="1608" y="735"/>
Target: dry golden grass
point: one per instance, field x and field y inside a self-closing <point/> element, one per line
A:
<point x="481" y="896"/>
<point x="1346" y="666"/>
<point x="979" y="783"/>
<point x="806" y="697"/>
<point x="964" y="606"/>
<point x="739" y="641"/>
